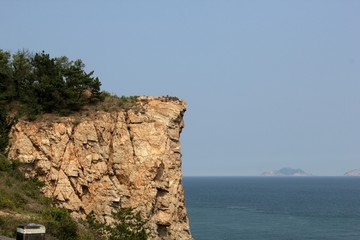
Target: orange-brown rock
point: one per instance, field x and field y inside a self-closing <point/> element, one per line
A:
<point x="110" y="160"/>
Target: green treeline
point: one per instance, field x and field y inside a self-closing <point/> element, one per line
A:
<point x="33" y="84"/>
<point x="37" y="83"/>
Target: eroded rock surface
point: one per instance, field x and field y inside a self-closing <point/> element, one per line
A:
<point x="103" y="161"/>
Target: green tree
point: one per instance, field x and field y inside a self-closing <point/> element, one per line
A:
<point x="38" y="83"/>
<point x="22" y="67"/>
<point x="81" y="87"/>
<point x="6" y="83"/>
<point x="47" y="83"/>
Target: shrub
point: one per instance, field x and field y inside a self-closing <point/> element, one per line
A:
<point x="59" y="223"/>
<point x="6" y="165"/>
<point x="128" y="226"/>
<point x="6" y="123"/>
<point x="8" y="225"/>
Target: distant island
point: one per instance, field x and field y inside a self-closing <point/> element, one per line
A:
<point x="286" y="172"/>
<point x="355" y="172"/>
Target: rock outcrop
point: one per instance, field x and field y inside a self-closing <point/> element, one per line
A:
<point x="102" y="161"/>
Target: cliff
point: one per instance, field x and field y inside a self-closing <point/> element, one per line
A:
<point x="101" y="161"/>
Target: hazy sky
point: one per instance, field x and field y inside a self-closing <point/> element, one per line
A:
<point x="268" y="83"/>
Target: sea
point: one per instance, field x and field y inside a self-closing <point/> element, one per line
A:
<point x="273" y="208"/>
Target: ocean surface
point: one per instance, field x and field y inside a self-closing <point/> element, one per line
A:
<point x="273" y="208"/>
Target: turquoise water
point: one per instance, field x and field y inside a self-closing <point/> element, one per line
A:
<point x="279" y="208"/>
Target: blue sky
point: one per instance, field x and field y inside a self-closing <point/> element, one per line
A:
<point x="269" y="84"/>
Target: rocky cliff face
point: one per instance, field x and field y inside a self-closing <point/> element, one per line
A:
<point x="103" y="161"/>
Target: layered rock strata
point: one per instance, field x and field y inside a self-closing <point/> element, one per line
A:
<point x="103" y="161"/>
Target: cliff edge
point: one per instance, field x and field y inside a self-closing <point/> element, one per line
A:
<point x="101" y="161"/>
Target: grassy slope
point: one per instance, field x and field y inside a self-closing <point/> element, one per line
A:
<point x="21" y="201"/>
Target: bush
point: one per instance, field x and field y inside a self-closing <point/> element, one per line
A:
<point x="8" y="225"/>
<point x="5" y="125"/>
<point x="112" y="103"/>
<point x="7" y="165"/>
<point x="59" y="223"/>
<point x="128" y="226"/>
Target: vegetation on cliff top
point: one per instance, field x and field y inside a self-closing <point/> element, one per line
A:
<point x="34" y="84"/>
<point x="38" y="83"/>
